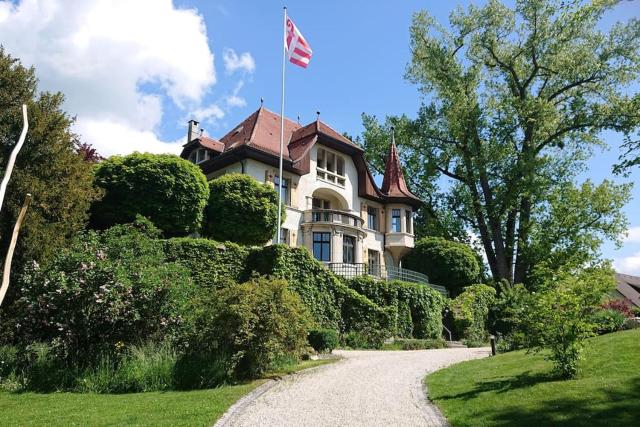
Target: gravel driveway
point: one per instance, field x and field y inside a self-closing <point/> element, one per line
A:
<point x="367" y="388"/>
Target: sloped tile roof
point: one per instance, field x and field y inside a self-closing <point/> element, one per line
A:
<point x="393" y="183"/>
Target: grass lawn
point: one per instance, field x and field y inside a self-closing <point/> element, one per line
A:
<point x="172" y="408"/>
<point x="517" y="389"/>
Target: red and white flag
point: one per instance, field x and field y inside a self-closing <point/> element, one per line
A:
<point x="298" y="50"/>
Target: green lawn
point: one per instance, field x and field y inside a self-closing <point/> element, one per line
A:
<point x="517" y="389"/>
<point x="173" y="408"/>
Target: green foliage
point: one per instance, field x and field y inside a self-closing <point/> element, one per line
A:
<point x="170" y="191"/>
<point x="368" y="319"/>
<point x="608" y="320"/>
<point x="318" y="288"/>
<point x="560" y="317"/>
<point x="510" y="309"/>
<point x="209" y="263"/>
<point x="415" y="310"/>
<point x="251" y="324"/>
<point x="107" y="287"/>
<point x="148" y="367"/>
<point x="323" y="340"/>
<point x="48" y="167"/>
<point x="415" y="344"/>
<point x="366" y="338"/>
<point x="446" y="263"/>
<point x="470" y="313"/>
<point x="518" y="98"/>
<point x="242" y="210"/>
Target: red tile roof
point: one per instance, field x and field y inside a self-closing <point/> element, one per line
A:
<point x="393" y="183"/>
<point x="262" y="131"/>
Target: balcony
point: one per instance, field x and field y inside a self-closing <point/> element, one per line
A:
<point x="383" y="273"/>
<point x="332" y="217"/>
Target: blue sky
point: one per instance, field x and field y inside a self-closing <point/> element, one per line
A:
<point x="135" y="72"/>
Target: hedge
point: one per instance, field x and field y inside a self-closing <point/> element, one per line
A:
<point x="318" y="287"/>
<point x="416" y="309"/>
<point x="210" y="263"/>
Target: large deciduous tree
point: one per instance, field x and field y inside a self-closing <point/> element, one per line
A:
<point x="515" y="102"/>
<point x="48" y="166"/>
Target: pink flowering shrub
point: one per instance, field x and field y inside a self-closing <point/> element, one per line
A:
<point x="108" y="289"/>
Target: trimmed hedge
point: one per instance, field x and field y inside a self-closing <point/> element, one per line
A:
<point x="416" y="310"/>
<point x="210" y="263"/>
<point x="323" y="340"/>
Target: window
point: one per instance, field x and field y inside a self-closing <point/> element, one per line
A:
<point x="408" y="226"/>
<point x="198" y="156"/>
<point x="286" y="192"/>
<point x="373" y="260"/>
<point x="330" y="167"/>
<point x="372" y="218"/>
<point x="284" y="236"/>
<point x="395" y="221"/>
<point x="322" y="246"/>
<point x="348" y="249"/>
<point x="321" y="204"/>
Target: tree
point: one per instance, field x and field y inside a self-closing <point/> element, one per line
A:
<point x="241" y="210"/>
<point x="170" y="191"/>
<point x="446" y="263"/>
<point x="48" y="166"/>
<point x="515" y="102"/>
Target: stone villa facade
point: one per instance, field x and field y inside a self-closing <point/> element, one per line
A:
<point x="333" y="205"/>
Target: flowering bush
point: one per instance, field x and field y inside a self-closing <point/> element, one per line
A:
<point x="621" y="306"/>
<point x="107" y="288"/>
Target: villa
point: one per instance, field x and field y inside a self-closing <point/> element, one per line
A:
<point x="333" y="205"/>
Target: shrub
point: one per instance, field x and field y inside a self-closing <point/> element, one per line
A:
<point x="365" y="338"/>
<point x="323" y="340"/>
<point x="318" y="288"/>
<point x="416" y="310"/>
<point x="170" y="191"/>
<point x="447" y="263"/>
<point x="108" y="287"/>
<point x="415" y="344"/>
<point x="241" y="210"/>
<point x="470" y="313"/>
<point x="249" y="324"/>
<point x="560" y="317"/>
<point x="209" y="263"/>
<point x="621" y="306"/>
<point x="509" y="311"/>
<point x="360" y="314"/>
<point x="608" y="320"/>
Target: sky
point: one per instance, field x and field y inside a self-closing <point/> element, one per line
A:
<point x="135" y="71"/>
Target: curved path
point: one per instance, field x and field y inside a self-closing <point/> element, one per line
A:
<point x="367" y="388"/>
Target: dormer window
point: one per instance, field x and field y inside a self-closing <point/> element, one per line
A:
<point x="198" y="156"/>
<point x="330" y="167"/>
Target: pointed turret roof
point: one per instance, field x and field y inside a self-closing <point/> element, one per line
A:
<point x="393" y="183"/>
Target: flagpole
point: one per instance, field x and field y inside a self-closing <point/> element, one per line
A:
<point x="280" y="178"/>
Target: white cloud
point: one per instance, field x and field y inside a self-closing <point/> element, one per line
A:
<point x="118" y="138"/>
<point x="209" y="114"/>
<point x="628" y="265"/>
<point x="115" y="61"/>
<point x="633" y="235"/>
<point x="234" y="100"/>
<point x="234" y="62"/>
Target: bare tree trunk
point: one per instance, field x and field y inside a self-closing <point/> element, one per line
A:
<point x="12" y="246"/>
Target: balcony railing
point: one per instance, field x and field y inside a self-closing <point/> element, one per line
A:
<point x="384" y="273"/>
<point x="333" y="216"/>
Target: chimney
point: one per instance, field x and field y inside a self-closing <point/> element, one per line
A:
<point x="193" y="131"/>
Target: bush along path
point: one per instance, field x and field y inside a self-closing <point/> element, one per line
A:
<point x="372" y="388"/>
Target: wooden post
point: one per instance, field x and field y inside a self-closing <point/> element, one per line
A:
<point x="493" y="345"/>
<point x="12" y="246"/>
